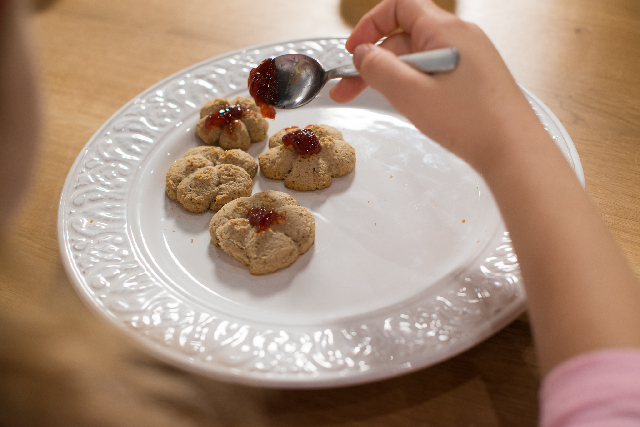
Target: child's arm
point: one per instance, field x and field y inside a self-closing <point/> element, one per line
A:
<point x="581" y="293"/>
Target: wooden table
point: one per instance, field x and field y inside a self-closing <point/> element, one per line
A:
<point x="61" y="364"/>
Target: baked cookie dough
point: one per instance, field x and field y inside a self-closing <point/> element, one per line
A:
<point x="208" y="177"/>
<point x="266" y="232"/>
<point x="234" y="124"/>
<point x="307" y="158"/>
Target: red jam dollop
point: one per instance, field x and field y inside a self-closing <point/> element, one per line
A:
<point x="223" y="118"/>
<point x="304" y="141"/>
<point x="263" y="87"/>
<point x="262" y="218"/>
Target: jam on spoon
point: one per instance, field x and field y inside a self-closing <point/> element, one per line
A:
<point x="263" y="87"/>
<point x="262" y="218"/>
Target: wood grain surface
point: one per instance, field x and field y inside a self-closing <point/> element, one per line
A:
<point x="62" y="365"/>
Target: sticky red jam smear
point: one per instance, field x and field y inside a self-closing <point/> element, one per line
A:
<point x="304" y="141"/>
<point x="263" y="87"/>
<point x="263" y="218"/>
<point x="224" y="117"/>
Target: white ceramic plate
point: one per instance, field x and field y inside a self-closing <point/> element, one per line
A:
<point x="411" y="264"/>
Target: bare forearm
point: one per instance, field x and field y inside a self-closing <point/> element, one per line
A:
<point x="582" y="295"/>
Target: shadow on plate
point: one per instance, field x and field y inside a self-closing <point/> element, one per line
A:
<point x="231" y="273"/>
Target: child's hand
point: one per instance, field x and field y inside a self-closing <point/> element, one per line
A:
<point x="470" y="111"/>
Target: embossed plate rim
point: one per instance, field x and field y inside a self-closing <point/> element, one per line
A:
<point x="399" y="348"/>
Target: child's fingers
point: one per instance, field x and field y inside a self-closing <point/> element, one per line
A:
<point x="391" y="15"/>
<point x="347" y="89"/>
<point x="383" y="22"/>
<point x="394" y="79"/>
<point x="399" y="43"/>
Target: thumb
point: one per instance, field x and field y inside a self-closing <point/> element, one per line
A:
<point x="383" y="71"/>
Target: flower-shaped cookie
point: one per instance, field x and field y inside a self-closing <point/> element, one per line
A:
<point x="267" y="231"/>
<point x="234" y="124"/>
<point x="307" y="158"/>
<point x="208" y="177"/>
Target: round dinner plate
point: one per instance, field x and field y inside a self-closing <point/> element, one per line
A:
<point x="411" y="263"/>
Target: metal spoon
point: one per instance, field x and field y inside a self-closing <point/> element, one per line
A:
<point x="300" y="77"/>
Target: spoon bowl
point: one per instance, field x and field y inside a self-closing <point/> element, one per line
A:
<point x="300" y="77"/>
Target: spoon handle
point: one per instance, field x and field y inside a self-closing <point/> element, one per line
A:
<point x="431" y="61"/>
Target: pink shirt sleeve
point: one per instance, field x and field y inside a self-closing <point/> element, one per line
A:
<point x="601" y="388"/>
